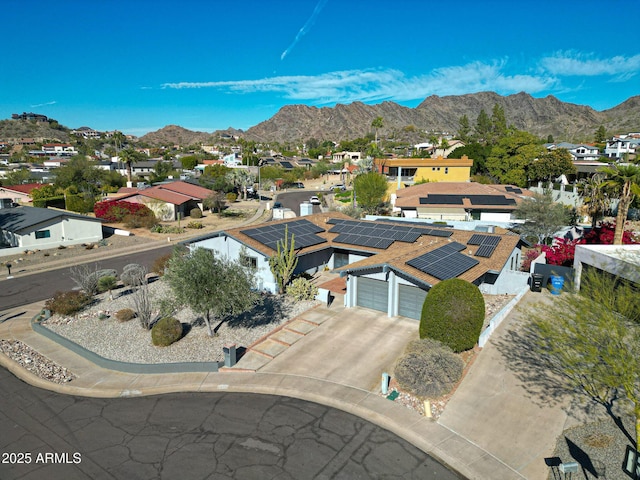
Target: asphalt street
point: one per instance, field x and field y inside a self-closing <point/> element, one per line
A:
<point x="44" y="435"/>
<point x="25" y="289"/>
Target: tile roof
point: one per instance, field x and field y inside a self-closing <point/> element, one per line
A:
<point x="410" y="197"/>
<point x="398" y="253"/>
<point x="175" y="192"/>
<point x="25" y="188"/>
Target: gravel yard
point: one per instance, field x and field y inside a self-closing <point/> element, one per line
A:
<point x="129" y="342"/>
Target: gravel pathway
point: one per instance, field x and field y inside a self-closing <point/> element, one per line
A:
<point x="129" y="342"/>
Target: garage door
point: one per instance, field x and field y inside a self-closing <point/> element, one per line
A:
<point x="372" y="294"/>
<point x="410" y="300"/>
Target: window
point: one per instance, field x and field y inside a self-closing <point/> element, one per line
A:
<point x="43" y="234"/>
<point x="247" y="261"/>
<point x="340" y="259"/>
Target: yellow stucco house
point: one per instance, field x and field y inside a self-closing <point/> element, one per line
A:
<point x="404" y="172"/>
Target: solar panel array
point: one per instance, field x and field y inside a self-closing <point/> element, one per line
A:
<point x="487" y="244"/>
<point x="513" y="189"/>
<point x="379" y="235"/>
<point x="444" y="262"/>
<point x="440" y="199"/>
<point x="490" y="200"/>
<point x="303" y="230"/>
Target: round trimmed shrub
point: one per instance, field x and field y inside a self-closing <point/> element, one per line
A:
<point x="166" y="331"/>
<point x="195" y="213"/>
<point x="428" y="370"/>
<point x="453" y="313"/>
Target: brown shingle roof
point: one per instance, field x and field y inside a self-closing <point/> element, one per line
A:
<point x="398" y="253"/>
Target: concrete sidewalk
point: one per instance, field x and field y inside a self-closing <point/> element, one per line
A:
<point x="343" y="377"/>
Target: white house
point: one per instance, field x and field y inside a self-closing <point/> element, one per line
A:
<point x="30" y="227"/>
<point x="618" y="147"/>
<point x="384" y="265"/>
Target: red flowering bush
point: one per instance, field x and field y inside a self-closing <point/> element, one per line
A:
<point x="603" y="235"/>
<point x="563" y="251"/>
<point x="117" y="210"/>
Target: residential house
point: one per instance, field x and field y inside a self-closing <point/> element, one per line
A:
<point x="168" y="200"/>
<point x="25" y="227"/>
<point x="19" y="193"/>
<point x="407" y="171"/>
<point x="445" y="152"/>
<point x="621" y="146"/>
<point x="459" y="201"/>
<point x="383" y="265"/>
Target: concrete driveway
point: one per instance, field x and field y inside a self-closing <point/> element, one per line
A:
<point x="352" y="347"/>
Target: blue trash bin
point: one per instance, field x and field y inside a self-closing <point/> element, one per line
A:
<point x="557" y="282"/>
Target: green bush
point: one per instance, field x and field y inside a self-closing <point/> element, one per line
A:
<point x="231" y="197"/>
<point x="429" y="371"/>
<point x="195" y="213"/>
<point x="166" y="331"/>
<point x="453" y="313"/>
<point x="125" y="314"/>
<point x="195" y="225"/>
<point x="107" y="283"/>
<point x="67" y="303"/>
<point x="302" y="289"/>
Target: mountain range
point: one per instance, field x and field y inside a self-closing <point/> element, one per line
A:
<point x="540" y="116"/>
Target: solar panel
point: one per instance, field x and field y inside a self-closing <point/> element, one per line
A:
<point x="286" y="165"/>
<point x="444" y="262"/>
<point x="485" y="250"/>
<point x="487" y="244"/>
<point x="490" y="200"/>
<point x="440" y="199"/>
<point x="509" y="188"/>
<point x="303" y="232"/>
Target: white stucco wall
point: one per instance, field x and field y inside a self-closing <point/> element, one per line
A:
<point x="62" y="231"/>
<point x="231" y="249"/>
<point x="495" y="217"/>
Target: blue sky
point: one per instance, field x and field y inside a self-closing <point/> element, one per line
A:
<point x="139" y="65"/>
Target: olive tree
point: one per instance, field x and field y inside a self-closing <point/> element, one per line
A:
<point x="213" y="286"/>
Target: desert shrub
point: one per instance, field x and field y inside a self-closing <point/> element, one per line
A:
<point x="107" y="283"/>
<point x="429" y="372"/>
<point x="231" y="197"/>
<point x="195" y="225"/>
<point x="423" y="346"/>
<point x="68" y="303"/>
<point x="133" y="274"/>
<point x="166" y="331"/>
<point x="147" y="220"/>
<point x="87" y="277"/>
<point x="453" y="313"/>
<point x="125" y="314"/>
<point x="166" y="229"/>
<point x="302" y="289"/>
<point x="160" y="264"/>
<point x="195" y="213"/>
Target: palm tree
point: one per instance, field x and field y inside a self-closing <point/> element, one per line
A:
<point x="594" y="196"/>
<point x="625" y="182"/>
<point x="129" y="156"/>
<point x="377" y="123"/>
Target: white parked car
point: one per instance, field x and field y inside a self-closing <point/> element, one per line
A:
<point x="314" y="200"/>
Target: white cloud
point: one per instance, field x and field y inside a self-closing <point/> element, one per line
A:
<point x="309" y="23"/>
<point x="571" y="63"/>
<point x="38" y="105"/>
<point x="385" y="84"/>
